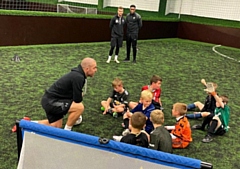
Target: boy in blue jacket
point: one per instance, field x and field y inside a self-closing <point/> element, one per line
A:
<point x="146" y="107"/>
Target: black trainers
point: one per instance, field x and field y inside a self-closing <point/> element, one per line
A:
<point x="134" y="61"/>
<point x="197" y="127"/>
<point x="207" y="139"/>
<point x="126" y="60"/>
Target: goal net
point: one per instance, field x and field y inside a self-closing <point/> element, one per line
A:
<point x="65" y="8"/>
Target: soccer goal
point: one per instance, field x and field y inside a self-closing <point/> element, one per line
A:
<point x="65" y="8"/>
<point x="41" y="147"/>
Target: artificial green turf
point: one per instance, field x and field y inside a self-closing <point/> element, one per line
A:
<point x="181" y="64"/>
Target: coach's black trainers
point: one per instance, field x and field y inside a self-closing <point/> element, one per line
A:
<point x="126" y="60"/>
<point x="207" y="139"/>
<point x="134" y="61"/>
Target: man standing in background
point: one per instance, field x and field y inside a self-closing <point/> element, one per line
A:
<point x="116" y="26"/>
<point x="134" y="23"/>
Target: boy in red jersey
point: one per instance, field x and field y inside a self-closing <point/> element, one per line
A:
<point x="155" y="88"/>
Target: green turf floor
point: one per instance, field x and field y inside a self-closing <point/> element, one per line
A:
<point x="180" y="63"/>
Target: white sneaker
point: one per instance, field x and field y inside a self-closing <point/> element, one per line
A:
<point x="79" y="121"/>
<point x="116" y="61"/>
<point x="117" y="138"/>
<point x="108" y="61"/>
<point x="125" y="132"/>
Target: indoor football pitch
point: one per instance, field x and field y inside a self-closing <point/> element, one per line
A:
<point x="180" y="63"/>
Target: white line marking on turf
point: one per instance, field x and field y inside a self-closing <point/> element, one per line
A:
<point x="225" y="56"/>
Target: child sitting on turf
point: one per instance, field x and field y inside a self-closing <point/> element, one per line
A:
<point x="205" y="109"/>
<point x="208" y="109"/>
<point x="155" y="88"/>
<point x="118" y="101"/>
<point x="220" y="120"/>
<point x="160" y="139"/>
<point x="181" y="132"/>
<point x="137" y="136"/>
<point x="146" y="107"/>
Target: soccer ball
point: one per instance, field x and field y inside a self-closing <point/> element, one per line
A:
<point x="79" y="121"/>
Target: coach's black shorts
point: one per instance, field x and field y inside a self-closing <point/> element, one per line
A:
<point x="55" y="108"/>
<point x="116" y="41"/>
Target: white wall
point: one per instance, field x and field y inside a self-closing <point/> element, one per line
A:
<point x="222" y="9"/>
<point x="148" y="5"/>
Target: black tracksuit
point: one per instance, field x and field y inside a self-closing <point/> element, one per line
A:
<point x="134" y="23"/>
<point x="116" y="25"/>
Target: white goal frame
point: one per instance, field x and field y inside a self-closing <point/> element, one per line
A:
<point x="68" y="8"/>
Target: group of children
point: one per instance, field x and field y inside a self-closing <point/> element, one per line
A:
<point x="143" y="121"/>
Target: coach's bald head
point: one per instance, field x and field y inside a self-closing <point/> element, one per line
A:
<point x="89" y="66"/>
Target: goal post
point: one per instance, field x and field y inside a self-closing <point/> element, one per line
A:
<point x="65" y="8"/>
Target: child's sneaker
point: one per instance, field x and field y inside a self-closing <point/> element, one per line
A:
<point x="197" y="127"/>
<point x="14" y="129"/>
<point x="117" y="138"/>
<point x="125" y="132"/>
<point x="207" y="139"/>
<point x="110" y="111"/>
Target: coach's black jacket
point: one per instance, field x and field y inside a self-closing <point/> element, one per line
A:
<point x="134" y="23"/>
<point x="69" y="86"/>
<point x="116" y="25"/>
